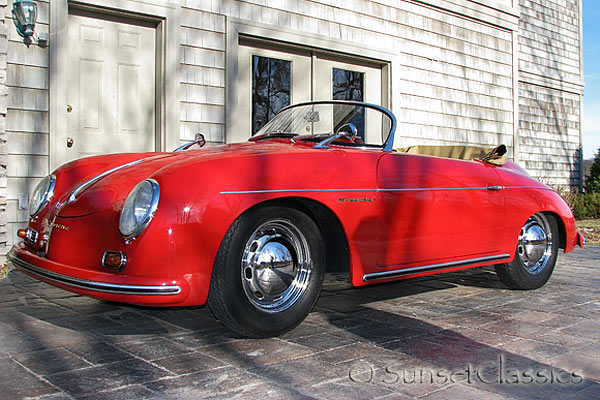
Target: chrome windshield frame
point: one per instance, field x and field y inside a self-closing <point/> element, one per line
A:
<point x="388" y="145"/>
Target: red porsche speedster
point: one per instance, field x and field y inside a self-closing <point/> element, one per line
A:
<point x="250" y="229"/>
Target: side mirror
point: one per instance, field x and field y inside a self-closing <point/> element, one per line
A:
<point x="348" y="131"/>
<point x="199" y="139"/>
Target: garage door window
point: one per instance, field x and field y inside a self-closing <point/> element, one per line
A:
<point x="271" y="88"/>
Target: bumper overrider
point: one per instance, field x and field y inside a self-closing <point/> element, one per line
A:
<point x="107" y="286"/>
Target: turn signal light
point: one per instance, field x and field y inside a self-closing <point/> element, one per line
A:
<point x="114" y="260"/>
<point x="29" y="235"/>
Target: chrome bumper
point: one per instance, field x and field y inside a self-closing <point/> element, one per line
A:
<point x="92" y="285"/>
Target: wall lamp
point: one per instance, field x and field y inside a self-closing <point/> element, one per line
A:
<point x="24" y="13"/>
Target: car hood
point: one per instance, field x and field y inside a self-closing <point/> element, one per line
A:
<point x="105" y="181"/>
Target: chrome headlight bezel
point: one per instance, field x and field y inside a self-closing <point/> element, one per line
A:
<point x="131" y="222"/>
<point x="41" y="195"/>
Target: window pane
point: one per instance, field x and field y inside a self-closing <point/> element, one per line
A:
<point x="348" y="85"/>
<point x="271" y="82"/>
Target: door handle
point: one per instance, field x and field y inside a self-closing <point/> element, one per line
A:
<point x="70" y="142"/>
<point x="494" y="188"/>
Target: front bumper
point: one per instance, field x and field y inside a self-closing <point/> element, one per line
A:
<point x="112" y="287"/>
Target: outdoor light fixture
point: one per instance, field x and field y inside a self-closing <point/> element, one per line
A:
<point x="24" y="13"/>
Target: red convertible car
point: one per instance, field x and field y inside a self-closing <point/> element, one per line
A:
<point x="250" y="229"/>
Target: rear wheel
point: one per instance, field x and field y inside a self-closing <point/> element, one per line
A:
<point x="268" y="272"/>
<point x="536" y="254"/>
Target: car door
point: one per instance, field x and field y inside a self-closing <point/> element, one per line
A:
<point x="437" y="211"/>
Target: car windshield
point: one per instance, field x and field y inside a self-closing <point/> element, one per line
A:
<point x="316" y="120"/>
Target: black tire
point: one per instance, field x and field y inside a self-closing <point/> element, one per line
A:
<point x="264" y="251"/>
<point x="535" y="256"/>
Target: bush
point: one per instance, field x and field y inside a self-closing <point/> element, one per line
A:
<point x="586" y="205"/>
<point x="592" y="181"/>
<point x="567" y="193"/>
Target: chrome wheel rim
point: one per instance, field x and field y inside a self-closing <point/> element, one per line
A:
<point x="276" y="266"/>
<point x="534" y="247"/>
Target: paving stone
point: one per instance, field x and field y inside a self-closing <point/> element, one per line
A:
<point x="591" y="350"/>
<point x="46" y="291"/>
<point x="346" y="389"/>
<point x="51" y="361"/>
<point x="586" y="328"/>
<point x="458" y="336"/>
<point x="85" y="305"/>
<point x="189" y="363"/>
<point x="221" y="383"/>
<point x="461" y="391"/>
<point x="18" y="342"/>
<point x="592" y="392"/>
<point x="572" y="342"/>
<point x="45" y="311"/>
<point x="154" y="348"/>
<point x="534" y="349"/>
<point x="300" y="373"/>
<point x="445" y="355"/>
<point x="256" y="352"/>
<point x="98" y="352"/>
<point x="368" y="353"/>
<point x="516" y="328"/>
<point x="137" y="392"/>
<point x="106" y="377"/>
<point x="322" y="341"/>
<point x="303" y="330"/>
<point x="586" y="365"/>
<point x="142" y="329"/>
<point x="54" y="334"/>
<point x="57" y="345"/>
<point x="207" y="337"/>
<point x="526" y="391"/>
<point x="18" y="383"/>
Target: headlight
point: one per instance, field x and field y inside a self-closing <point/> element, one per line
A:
<point x="139" y="208"/>
<point x="41" y="195"/>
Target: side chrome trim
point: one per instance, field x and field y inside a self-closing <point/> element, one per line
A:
<point x="430" y="189"/>
<point x="89" y="182"/>
<point x="528" y="187"/>
<point x="433" y="267"/>
<point x="490" y="188"/>
<point x="93" y="285"/>
<point x="295" y="191"/>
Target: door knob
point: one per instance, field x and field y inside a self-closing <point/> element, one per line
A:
<point x="69" y="108"/>
<point x="70" y="142"/>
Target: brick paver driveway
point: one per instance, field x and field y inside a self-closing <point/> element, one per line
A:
<point x="461" y="335"/>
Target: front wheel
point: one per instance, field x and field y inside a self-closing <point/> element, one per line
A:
<point x="268" y="272"/>
<point x="536" y="254"/>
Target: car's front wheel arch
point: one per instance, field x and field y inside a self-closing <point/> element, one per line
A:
<point x="562" y="232"/>
<point x="330" y="227"/>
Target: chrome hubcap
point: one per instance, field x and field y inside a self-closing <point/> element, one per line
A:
<point x="276" y="266"/>
<point x="535" y="244"/>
